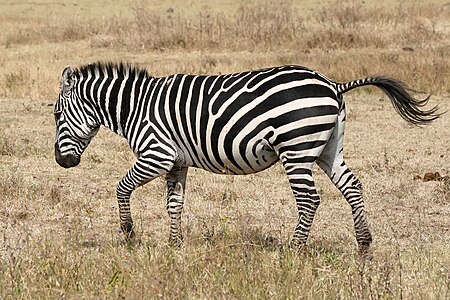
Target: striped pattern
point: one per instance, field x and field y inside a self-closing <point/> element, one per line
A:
<point x="229" y="124"/>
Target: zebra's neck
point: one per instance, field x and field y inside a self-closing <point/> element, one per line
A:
<point x="114" y="95"/>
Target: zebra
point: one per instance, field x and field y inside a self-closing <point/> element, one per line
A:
<point x="236" y="124"/>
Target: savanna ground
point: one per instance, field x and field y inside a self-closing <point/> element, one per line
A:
<point x="59" y="228"/>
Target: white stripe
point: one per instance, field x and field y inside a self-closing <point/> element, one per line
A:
<point x="119" y="102"/>
<point x="132" y="100"/>
<point x="106" y="116"/>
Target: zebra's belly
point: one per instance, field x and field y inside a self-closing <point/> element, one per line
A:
<point x="264" y="161"/>
<point x="254" y="159"/>
<point x="260" y="159"/>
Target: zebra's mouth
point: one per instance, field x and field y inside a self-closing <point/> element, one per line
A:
<point x="67" y="160"/>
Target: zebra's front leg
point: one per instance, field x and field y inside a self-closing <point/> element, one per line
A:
<point x="176" y="184"/>
<point x="141" y="173"/>
<point x="126" y="222"/>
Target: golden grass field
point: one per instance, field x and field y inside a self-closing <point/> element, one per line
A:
<point x="59" y="229"/>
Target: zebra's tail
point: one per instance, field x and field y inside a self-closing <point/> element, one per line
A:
<point x="408" y="107"/>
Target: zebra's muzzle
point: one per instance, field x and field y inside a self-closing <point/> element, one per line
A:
<point x="66" y="161"/>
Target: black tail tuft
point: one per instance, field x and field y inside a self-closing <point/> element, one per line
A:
<point x="408" y="107"/>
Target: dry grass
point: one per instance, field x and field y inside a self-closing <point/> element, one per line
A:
<point x="351" y="40"/>
<point x="59" y="228"/>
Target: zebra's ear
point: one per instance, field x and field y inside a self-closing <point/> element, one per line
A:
<point x="67" y="79"/>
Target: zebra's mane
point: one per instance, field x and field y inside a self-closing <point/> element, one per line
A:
<point x="122" y="69"/>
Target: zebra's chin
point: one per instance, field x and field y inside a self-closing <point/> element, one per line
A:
<point x="66" y="161"/>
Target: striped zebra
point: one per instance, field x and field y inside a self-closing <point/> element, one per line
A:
<point x="238" y="123"/>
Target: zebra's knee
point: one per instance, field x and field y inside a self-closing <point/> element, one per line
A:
<point x="125" y="187"/>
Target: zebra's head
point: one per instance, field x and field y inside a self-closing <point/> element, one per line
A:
<point x="76" y="122"/>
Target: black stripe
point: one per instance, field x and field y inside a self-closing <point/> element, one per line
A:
<point x="301" y="160"/>
<point x="305" y="130"/>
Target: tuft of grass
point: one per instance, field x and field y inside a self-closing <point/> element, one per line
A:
<point x="15" y="84"/>
<point x="6" y="146"/>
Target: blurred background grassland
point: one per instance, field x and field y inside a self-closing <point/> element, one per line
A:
<point x="59" y="232"/>
<point x="343" y="39"/>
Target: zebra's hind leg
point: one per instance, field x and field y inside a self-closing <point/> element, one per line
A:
<point x="351" y="188"/>
<point x="299" y="172"/>
<point x="298" y="152"/>
<point x="176" y="184"/>
<point x="332" y="162"/>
